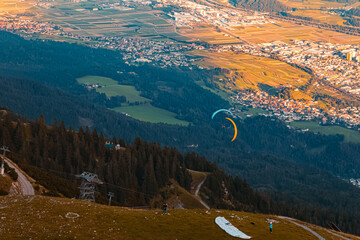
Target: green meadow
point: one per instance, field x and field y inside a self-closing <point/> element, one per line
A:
<point x="349" y="134"/>
<point x="148" y="113"/>
<point x="103" y="81"/>
<point x="131" y="94"/>
<point x="143" y="112"/>
<point x="111" y="88"/>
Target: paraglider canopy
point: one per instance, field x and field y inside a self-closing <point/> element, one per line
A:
<point x="235" y="134"/>
<point x="221" y="110"/>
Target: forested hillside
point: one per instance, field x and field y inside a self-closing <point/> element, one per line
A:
<point x="138" y="171"/>
<point x="53" y="64"/>
<point x="135" y="173"/>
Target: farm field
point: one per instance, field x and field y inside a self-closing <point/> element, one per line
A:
<point x="148" y="113"/>
<point x="349" y="135"/>
<point x="206" y="33"/>
<point x="87" y="18"/>
<point x="248" y="71"/>
<point x="315" y="9"/>
<point x="312" y="4"/>
<point x="285" y="32"/>
<point x="321" y="16"/>
<point x="280" y="31"/>
<point x="15" y="6"/>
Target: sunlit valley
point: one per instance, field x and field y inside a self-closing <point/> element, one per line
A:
<point x="243" y="116"/>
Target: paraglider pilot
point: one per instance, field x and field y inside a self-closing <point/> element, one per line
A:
<point x="164" y="208"/>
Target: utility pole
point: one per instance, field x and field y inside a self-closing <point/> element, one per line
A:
<point x="110" y="194"/>
<point x="5" y="149"/>
<point x="87" y="187"/>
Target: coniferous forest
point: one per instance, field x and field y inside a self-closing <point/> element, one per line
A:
<point x="52" y="155"/>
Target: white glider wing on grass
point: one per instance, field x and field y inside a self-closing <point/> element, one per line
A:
<point x="230" y="229"/>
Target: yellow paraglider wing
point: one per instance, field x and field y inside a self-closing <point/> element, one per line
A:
<point x="235" y="134"/>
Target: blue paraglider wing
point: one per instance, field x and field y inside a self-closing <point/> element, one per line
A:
<point x="221" y="110"/>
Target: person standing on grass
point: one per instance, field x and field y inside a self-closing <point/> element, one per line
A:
<point x="270" y="227"/>
<point x="164" y="208"/>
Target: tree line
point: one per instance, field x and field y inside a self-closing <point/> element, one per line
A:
<point x="135" y="173"/>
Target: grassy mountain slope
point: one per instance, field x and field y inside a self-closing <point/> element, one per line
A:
<point x="59" y="218"/>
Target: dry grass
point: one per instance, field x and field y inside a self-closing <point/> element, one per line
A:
<point x="45" y="218"/>
<point x="321" y="16"/>
<point x="311" y="4"/>
<point x="248" y="71"/>
<point x="206" y="33"/>
<point x="15" y="6"/>
<point x="285" y="32"/>
<point x="197" y="177"/>
<point x="282" y="31"/>
<point x="299" y="95"/>
<point x="5" y="183"/>
<point x="188" y="200"/>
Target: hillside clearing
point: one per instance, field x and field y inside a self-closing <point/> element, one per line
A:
<point x="111" y="88"/>
<point x="349" y="134"/>
<point x="149" y="113"/>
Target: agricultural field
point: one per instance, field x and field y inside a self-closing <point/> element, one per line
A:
<point x="312" y="4"/>
<point x="281" y="31"/>
<point x="247" y="71"/>
<point x="148" y="113"/>
<point x="322" y="16"/>
<point x="15" y="6"/>
<point x="286" y="32"/>
<point x="316" y="9"/>
<point x="299" y="95"/>
<point x="349" y="135"/>
<point x="206" y="33"/>
<point x="89" y="19"/>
